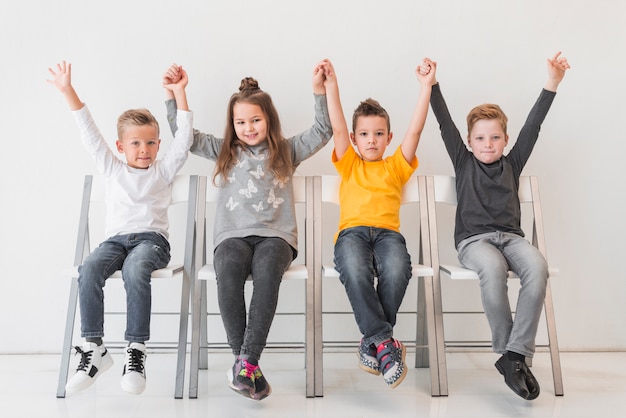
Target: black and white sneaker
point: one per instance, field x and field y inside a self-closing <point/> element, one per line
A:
<point x="134" y="374"/>
<point x="94" y="360"/>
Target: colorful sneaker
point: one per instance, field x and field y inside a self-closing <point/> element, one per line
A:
<point x="261" y="385"/>
<point x="94" y="360"/>
<point x="241" y="378"/>
<point x="134" y="374"/>
<point x="390" y="355"/>
<point x="367" y="358"/>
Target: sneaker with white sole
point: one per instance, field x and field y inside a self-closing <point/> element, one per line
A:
<point x="241" y="378"/>
<point x="134" y="374"/>
<point x="94" y="360"/>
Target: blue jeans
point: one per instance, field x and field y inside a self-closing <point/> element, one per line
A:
<point x="361" y="254"/>
<point x="266" y="259"/>
<point x="137" y="255"/>
<point x="491" y="255"/>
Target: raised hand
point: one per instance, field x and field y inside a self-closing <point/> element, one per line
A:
<point x="62" y="77"/>
<point x="62" y="80"/>
<point x="319" y="77"/>
<point x="425" y="72"/>
<point x="174" y="74"/>
<point x="557" y="66"/>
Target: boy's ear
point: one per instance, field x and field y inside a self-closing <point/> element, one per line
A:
<point x="120" y="146"/>
<point x="389" y="137"/>
<point x="506" y="140"/>
<point x="352" y="138"/>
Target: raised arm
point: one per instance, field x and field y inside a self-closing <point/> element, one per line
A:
<point x="425" y="73"/>
<point x="62" y="80"/>
<point x="341" y="136"/>
<point x="557" y="66"/>
<point x="175" y="81"/>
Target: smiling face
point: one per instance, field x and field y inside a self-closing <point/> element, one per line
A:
<point x="371" y="137"/>
<point x="140" y="145"/>
<point x="487" y="140"/>
<point x="250" y="123"/>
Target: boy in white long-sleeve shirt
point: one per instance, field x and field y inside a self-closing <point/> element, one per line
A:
<point x="138" y="194"/>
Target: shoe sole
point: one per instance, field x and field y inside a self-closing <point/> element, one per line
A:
<point x="265" y="395"/>
<point x="106" y="365"/>
<point x="243" y="392"/>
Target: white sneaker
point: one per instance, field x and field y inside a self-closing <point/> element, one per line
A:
<point x="134" y="375"/>
<point x="94" y="360"/>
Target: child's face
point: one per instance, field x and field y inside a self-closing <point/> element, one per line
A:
<point x="487" y="140"/>
<point x="371" y="137"/>
<point x="250" y="123"/>
<point x="140" y="145"/>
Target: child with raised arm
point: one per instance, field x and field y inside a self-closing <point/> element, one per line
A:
<point x="255" y="229"/>
<point x="369" y="244"/>
<point x="138" y="193"/>
<point x="487" y="234"/>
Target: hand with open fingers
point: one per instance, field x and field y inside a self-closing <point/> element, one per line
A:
<point x="61" y="77"/>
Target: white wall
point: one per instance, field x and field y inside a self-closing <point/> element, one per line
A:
<point x="488" y="51"/>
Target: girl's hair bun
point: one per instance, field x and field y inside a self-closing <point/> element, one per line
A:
<point x="249" y="84"/>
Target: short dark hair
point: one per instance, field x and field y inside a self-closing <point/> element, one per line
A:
<point x="370" y="107"/>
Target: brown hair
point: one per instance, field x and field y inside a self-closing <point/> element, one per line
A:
<point x="486" y="111"/>
<point x="135" y="117"/>
<point x="280" y="162"/>
<point x="370" y="107"/>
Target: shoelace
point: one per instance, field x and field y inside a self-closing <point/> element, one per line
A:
<point x="85" y="359"/>
<point x="248" y="370"/>
<point x="135" y="360"/>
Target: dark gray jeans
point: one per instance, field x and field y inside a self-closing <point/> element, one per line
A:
<point x="363" y="253"/>
<point x="266" y="259"/>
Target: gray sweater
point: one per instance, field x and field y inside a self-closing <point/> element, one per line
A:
<point x="251" y="200"/>
<point x="487" y="194"/>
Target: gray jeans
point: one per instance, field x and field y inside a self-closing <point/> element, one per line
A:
<point x="266" y="259"/>
<point x="491" y="255"/>
<point x="137" y="255"/>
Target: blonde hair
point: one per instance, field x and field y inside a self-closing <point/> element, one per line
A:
<point x="135" y="117"/>
<point x="279" y="156"/>
<point x="486" y="111"/>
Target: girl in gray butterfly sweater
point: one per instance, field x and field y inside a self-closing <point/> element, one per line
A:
<point x="255" y="224"/>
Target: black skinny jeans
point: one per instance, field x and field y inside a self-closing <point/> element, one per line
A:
<point x="266" y="259"/>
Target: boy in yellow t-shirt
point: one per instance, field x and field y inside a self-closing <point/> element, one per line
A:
<point x="369" y="244"/>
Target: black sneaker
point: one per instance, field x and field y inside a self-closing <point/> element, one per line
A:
<point x="241" y="378"/>
<point x="261" y="385"/>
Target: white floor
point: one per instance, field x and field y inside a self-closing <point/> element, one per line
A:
<point x="595" y="387"/>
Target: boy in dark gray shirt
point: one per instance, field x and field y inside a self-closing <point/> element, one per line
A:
<point x="487" y="235"/>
